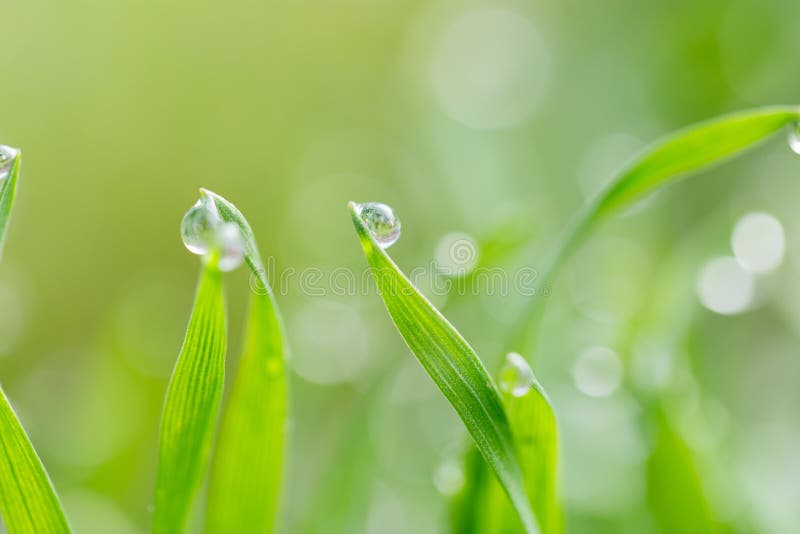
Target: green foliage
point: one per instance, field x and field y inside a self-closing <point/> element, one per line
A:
<point x="247" y="468"/>
<point x="191" y="406"/>
<point x="28" y="501"/>
<point x="454" y="367"/>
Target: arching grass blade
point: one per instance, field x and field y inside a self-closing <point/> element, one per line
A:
<point x="28" y="501"/>
<point x="454" y="367"/>
<point x="247" y="468"/>
<point x="664" y="162"/>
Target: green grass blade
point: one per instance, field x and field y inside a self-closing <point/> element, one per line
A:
<point x="191" y="407"/>
<point x="247" y="469"/>
<point x="533" y="423"/>
<point x="481" y="506"/>
<point x="28" y="501"/>
<point x="8" y="188"/>
<point x="675" y="492"/>
<point x="454" y="367"/>
<point x="664" y="162"/>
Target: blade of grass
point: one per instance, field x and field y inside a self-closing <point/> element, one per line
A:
<point x="481" y="507"/>
<point x="191" y="406"/>
<point x="454" y="367"/>
<point x="247" y="468"/>
<point x="664" y="162"/>
<point x="673" y="484"/>
<point x="28" y="501"/>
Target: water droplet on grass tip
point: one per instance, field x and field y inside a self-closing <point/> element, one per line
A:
<point x="199" y="228"/>
<point x="381" y="221"/>
<point x="7" y="155"/>
<point x="794" y="138"/>
<point x="516" y="376"/>
<point x="203" y="231"/>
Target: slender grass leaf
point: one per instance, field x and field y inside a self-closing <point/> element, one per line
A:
<point x="664" y="162"/>
<point x="247" y="467"/>
<point x="533" y="423"/>
<point x="191" y="406"/>
<point x="28" y="501"/>
<point x="675" y="492"/>
<point x="454" y="367"/>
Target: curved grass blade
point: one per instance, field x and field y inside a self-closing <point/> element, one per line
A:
<point x="247" y="468"/>
<point x="191" y="407"/>
<point x="454" y="367"/>
<point x="665" y="161"/>
<point x="481" y="507"/>
<point x="28" y="501"/>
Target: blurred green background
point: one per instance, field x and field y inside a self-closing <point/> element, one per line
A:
<point x="492" y="119"/>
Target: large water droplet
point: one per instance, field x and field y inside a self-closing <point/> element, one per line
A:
<point x="381" y="221"/>
<point x="199" y="228"/>
<point x="203" y="231"/>
<point x="7" y="155"/>
<point x="794" y="138"/>
<point x="516" y="376"/>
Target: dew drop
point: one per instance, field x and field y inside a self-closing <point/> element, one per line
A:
<point x="199" y="228"/>
<point x="516" y="376"/>
<point x="202" y="231"/>
<point x="231" y="247"/>
<point x="381" y="221"/>
<point x="794" y="138"/>
<point x="7" y="155"/>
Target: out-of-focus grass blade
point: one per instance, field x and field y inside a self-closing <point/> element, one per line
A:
<point x="481" y="506"/>
<point x="28" y="502"/>
<point x="675" y="493"/>
<point x="247" y="468"/>
<point x="191" y="406"/>
<point x="454" y="367"/>
<point x="8" y="188"/>
<point x="665" y="161"/>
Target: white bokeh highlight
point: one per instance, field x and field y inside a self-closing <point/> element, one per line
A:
<point x="758" y="242"/>
<point x="725" y="287"/>
<point x="490" y="68"/>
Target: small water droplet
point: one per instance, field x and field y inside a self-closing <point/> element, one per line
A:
<point x="7" y="155"/>
<point x="381" y="221"/>
<point x="231" y="247"/>
<point x="202" y="231"/>
<point x="516" y="376"/>
<point x="794" y="138"/>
